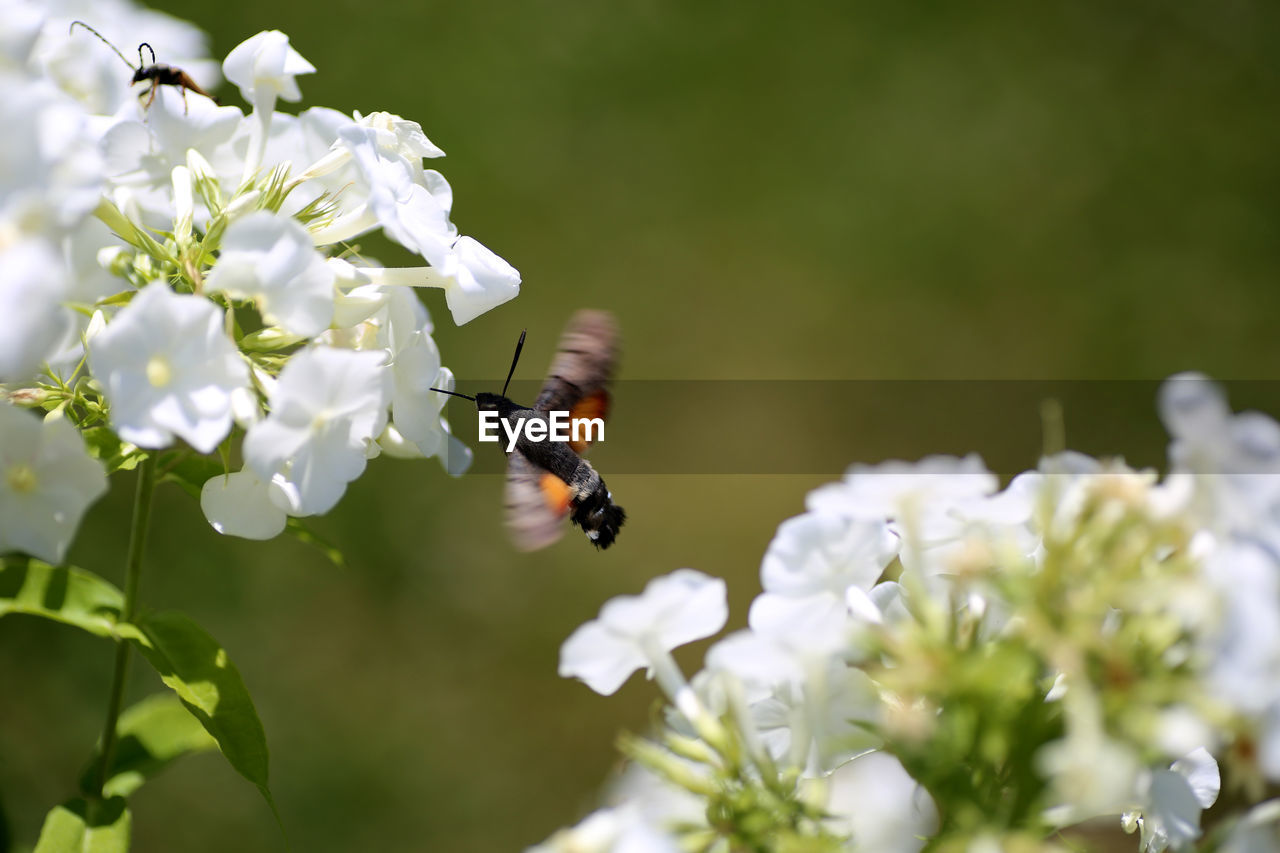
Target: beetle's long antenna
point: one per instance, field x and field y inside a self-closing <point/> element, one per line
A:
<point x="148" y="47"/>
<point x="454" y="394"/>
<point x="109" y="44"/>
<point x="514" y="359"/>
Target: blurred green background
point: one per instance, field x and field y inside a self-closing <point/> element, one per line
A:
<point x="840" y="190"/>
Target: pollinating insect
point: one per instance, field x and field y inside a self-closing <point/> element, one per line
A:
<point x="157" y="73"/>
<point x="549" y="480"/>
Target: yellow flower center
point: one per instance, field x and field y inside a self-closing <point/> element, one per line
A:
<point x="22" y="479"/>
<point x="159" y="372"/>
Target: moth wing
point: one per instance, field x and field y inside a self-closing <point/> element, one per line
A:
<point x="590" y="407"/>
<point x="581" y="370"/>
<point x="537" y="503"/>
<point x="584" y="361"/>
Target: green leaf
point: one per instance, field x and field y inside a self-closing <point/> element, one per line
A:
<point x="78" y="826"/>
<point x="149" y="736"/>
<point x="61" y="593"/>
<point x="194" y="666"/>
<point x="269" y="339"/>
<point x="124" y="297"/>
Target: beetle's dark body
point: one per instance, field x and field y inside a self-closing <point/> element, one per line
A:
<point x="592" y="504"/>
<point x="166" y="75"/>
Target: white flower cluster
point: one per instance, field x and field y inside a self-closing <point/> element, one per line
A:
<point x="172" y="269"/>
<point x="937" y="660"/>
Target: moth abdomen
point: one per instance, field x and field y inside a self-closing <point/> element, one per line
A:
<point x="596" y="513"/>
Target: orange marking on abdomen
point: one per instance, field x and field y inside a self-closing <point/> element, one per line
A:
<point x="555" y="492"/>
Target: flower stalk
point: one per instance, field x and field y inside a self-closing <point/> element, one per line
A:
<point x="133" y="575"/>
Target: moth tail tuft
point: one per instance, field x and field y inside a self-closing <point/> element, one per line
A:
<point x="602" y="524"/>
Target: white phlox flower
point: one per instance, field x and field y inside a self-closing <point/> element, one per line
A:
<point x="1173" y="800"/>
<point x="47" y="481"/>
<point x="168" y="368"/>
<point x="326" y="410"/>
<point x="412" y="205"/>
<point x="877" y="803"/>
<point x="808" y="710"/>
<point x="805" y="698"/>
<point x="396" y="134"/>
<point x="640" y="631"/>
<point x="416" y="410"/>
<point x="50" y="170"/>
<point x="1244" y="644"/>
<point x="1229" y="463"/>
<point x="945" y="510"/>
<point x="818" y="574"/>
<point x="270" y="259"/>
<point x="476" y="280"/>
<point x="393" y="320"/>
<point x="264" y="68"/>
<point x="33" y="283"/>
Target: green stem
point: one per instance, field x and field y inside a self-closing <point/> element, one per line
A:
<point x="133" y="572"/>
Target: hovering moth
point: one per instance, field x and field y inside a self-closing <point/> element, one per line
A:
<point x="549" y="480"/>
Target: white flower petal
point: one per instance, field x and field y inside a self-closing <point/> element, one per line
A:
<point x="33" y="283"/>
<point x="270" y="259"/>
<point x="47" y="481"/>
<point x="876" y="801"/>
<point x="1172" y="816"/>
<point x="1201" y="772"/>
<point x="599" y="657"/>
<point x="818" y="552"/>
<point x="893" y="489"/>
<point x="637" y="630"/>
<point x="168" y="368"/>
<point x="755" y="659"/>
<point x="479" y="280"/>
<point x="817" y="624"/>
<point x="240" y="504"/>
<point x="264" y="66"/>
<point x="327" y="409"/>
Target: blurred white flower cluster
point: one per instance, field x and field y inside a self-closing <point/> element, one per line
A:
<point x="937" y="661"/>
<point x="176" y="270"/>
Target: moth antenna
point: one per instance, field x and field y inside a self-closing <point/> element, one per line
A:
<point x="454" y="394"/>
<point x="514" y="359"/>
<point x="103" y="39"/>
<point x="148" y="47"/>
